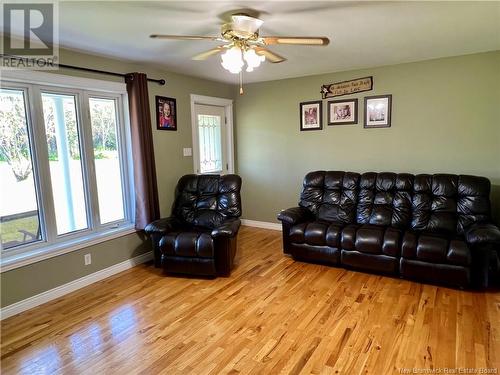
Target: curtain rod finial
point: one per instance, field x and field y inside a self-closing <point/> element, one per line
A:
<point x="162" y="82"/>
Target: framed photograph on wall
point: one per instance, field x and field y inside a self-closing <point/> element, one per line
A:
<point x="166" y="113"/>
<point x="343" y="112"/>
<point x="311" y="115"/>
<point x="378" y="111"/>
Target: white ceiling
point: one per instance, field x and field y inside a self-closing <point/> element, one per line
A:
<point x="363" y="34"/>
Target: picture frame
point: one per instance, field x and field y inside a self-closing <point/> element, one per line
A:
<point x="311" y="115"/>
<point x="342" y="112"/>
<point x="378" y="111"/>
<point x="166" y="113"/>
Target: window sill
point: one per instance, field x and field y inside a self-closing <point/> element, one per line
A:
<point x="12" y="261"/>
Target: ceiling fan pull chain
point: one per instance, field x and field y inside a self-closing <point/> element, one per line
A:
<point x="241" y="82"/>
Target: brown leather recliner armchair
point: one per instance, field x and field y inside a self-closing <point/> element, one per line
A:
<point x="199" y="237"/>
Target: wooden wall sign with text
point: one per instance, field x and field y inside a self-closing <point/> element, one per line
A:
<point x="347" y="87"/>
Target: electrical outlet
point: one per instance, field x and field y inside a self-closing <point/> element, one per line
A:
<point x="187" y="151"/>
<point x="88" y="259"/>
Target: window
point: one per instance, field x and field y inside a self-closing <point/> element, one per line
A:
<point x="209" y="135"/>
<point x="106" y="159"/>
<point x="19" y="218"/>
<point x="63" y="163"/>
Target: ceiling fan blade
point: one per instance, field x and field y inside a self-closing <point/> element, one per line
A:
<point x="270" y="56"/>
<point x="304" y="40"/>
<point x="184" y="37"/>
<point x="205" y="55"/>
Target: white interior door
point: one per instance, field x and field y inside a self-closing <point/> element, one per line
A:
<point x="211" y="135"/>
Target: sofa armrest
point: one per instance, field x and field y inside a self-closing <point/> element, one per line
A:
<point x="482" y="234"/>
<point x="228" y="228"/>
<point x="295" y="215"/>
<point x="161" y="226"/>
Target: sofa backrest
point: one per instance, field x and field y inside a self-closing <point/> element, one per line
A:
<point x="331" y="196"/>
<point x="449" y="203"/>
<point x="207" y="200"/>
<point x="441" y="203"/>
<point x="385" y="199"/>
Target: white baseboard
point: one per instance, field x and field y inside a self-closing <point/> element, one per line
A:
<point x="261" y="224"/>
<point x="60" y="291"/>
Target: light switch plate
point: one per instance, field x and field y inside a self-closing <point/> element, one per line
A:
<point x="187" y="151"/>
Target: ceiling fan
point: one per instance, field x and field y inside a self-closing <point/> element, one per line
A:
<point x="244" y="44"/>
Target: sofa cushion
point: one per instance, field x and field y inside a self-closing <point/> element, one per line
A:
<point x="435" y="203"/>
<point x="188" y="244"/>
<point x="348" y="237"/>
<point x="372" y="239"/>
<point x="432" y="248"/>
<point x="369" y="239"/>
<point x="473" y="203"/>
<point x="333" y="234"/>
<point x="297" y="233"/>
<point x="385" y="199"/>
<point x="331" y="196"/>
<point x="317" y="233"/>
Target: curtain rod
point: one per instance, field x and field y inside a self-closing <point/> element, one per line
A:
<point x="159" y="81"/>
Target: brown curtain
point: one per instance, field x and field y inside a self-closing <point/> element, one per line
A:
<point x="147" y="208"/>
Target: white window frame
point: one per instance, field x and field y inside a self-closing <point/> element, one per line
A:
<point x="228" y="111"/>
<point x="33" y="83"/>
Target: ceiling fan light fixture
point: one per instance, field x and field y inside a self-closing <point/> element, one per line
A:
<point x="245" y="23"/>
<point x="252" y="59"/>
<point x="232" y="60"/>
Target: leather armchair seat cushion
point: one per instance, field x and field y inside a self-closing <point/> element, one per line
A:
<point x="432" y="248"/>
<point x="187" y="244"/>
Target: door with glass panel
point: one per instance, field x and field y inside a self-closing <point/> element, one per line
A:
<point x="211" y="134"/>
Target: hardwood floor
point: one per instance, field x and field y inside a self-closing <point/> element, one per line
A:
<point x="273" y="315"/>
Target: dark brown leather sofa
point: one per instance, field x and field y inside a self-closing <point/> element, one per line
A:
<point x="199" y="238"/>
<point x="435" y="228"/>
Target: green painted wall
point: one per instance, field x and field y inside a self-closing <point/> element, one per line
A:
<point x="446" y="118"/>
<point x="27" y="281"/>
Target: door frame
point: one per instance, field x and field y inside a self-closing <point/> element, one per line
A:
<point x="228" y="112"/>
